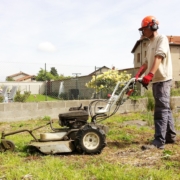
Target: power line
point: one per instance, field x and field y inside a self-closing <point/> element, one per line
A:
<point x="46" y="63"/>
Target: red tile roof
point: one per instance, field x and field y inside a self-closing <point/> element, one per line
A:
<point x="17" y="74"/>
<point x="174" y="40"/>
<point x="25" y="76"/>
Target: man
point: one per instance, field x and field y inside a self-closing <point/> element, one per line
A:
<point x="158" y="66"/>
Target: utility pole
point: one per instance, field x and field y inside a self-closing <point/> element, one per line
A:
<point x="76" y="75"/>
<point x="45" y="83"/>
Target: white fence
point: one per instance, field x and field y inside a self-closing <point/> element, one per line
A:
<point x="33" y="87"/>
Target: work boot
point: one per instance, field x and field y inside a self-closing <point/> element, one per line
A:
<point x="151" y="146"/>
<point x="173" y="141"/>
<point x="170" y="140"/>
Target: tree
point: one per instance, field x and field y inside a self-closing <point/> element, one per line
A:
<point x="54" y="71"/>
<point x="42" y="75"/>
<point x="108" y="80"/>
<point x="9" y="79"/>
<point x="62" y="77"/>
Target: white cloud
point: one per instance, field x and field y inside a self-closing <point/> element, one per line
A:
<point x="46" y="47"/>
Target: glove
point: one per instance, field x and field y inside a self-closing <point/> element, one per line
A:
<point x="146" y="79"/>
<point x="141" y="71"/>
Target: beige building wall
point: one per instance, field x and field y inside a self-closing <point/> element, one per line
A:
<point x="175" y="54"/>
<point x="140" y="53"/>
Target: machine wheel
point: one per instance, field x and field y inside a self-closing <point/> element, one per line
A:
<point x="9" y="147"/>
<point x="1" y="148"/>
<point x="90" y="140"/>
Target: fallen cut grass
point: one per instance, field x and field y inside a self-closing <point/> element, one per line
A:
<point x="122" y="158"/>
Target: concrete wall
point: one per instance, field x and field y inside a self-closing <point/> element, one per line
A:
<point x="74" y="83"/>
<point x="34" y="87"/>
<point x="27" y="111"/>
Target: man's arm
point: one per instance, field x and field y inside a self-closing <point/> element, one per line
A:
<point x="141" y="70"/>
<point x="157" y="60"/>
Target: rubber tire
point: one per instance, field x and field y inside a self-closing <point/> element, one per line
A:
<point x="10" y="144"/>
<point x="90" y="140"/>
<point x="1" y="148"/>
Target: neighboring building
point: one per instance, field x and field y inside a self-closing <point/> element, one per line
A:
<point x="21" y="77"/>
<point x="99" y="70"/>
<point x="139" y="51"/>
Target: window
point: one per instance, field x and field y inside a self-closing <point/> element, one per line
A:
<point x="138" y="57"/>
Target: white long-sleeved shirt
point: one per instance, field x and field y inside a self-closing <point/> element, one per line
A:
<point x="159" y="45"/>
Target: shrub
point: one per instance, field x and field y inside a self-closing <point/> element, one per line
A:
<point x="63" y="96"/>
<point x="1" y="98"/>
<point x="150" y="101"/>
<point x="107" y="80"/>
<point x="175" y="91"/>
<point x="21" y="97"/>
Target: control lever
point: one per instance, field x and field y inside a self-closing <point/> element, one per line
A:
<point x="140" y="81"/>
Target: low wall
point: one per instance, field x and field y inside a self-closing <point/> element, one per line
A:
<point x="33" y="110"/>
<point x="34" y="87"/>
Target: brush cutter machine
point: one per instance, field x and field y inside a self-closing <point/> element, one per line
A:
<point x="76" y="133"/>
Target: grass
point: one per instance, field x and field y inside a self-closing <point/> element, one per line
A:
<point x="40" y="97"/>
<point x="122" y="158"/>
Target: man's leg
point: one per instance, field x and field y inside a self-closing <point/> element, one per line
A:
<point x="171" y="133"/>
<point x="163" y="120"/>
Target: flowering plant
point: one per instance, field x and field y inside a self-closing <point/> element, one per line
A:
<point x="107" y="80"/>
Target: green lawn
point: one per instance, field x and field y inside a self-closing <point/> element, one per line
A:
<point x="40" y="97"/>
<point x="122" y="158"/>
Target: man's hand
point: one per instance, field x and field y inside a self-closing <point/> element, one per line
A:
<point x="146" y="79"/>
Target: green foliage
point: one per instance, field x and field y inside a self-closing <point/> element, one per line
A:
<point x="63" y="96"/>
<point x="108" y="80"/>
<point x="54" y="71"/>
<point x="46" y="118"/>
<point x="62" y="77"/>
<point x="1" y="98"/>
<point x="175" y="91"/>
<point x="9" y="79"/>
<point x="52" y="75"/>
<point x="135" y="95"/>
<point x="21" y="97"/>
<point x="177" y="83"/>
<point x="44" y="75"/>
<point x="150" y="100"/>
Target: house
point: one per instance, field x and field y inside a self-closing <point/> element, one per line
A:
<point x="99" y="70"/>
<point x="21" y="77"/>
<point x="139" y="51"/>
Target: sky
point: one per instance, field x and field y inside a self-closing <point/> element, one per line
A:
<point x="76" y="36"/>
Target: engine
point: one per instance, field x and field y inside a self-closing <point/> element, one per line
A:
<point x="75" y="118"/>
